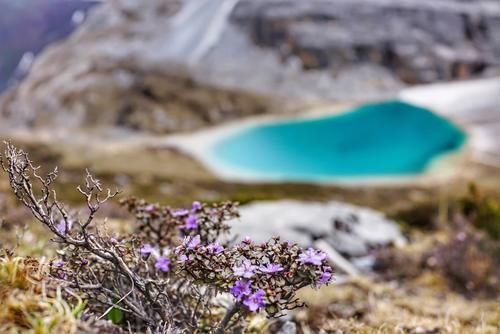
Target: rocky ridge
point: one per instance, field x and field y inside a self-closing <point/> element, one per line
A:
<point x="419" y="41"/>
<point x="114" y="72"/>
<point x="125" y="67"/>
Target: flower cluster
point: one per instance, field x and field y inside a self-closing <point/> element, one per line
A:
<point x="259" y="276"/>
<point x="163" y="225"/>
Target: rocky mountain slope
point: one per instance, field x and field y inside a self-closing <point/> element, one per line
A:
<point x="418" y="40"/>
<point x="112" y="73"/>
<point x="129" y="65"/>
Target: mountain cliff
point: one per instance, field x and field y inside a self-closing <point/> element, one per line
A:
<point x="129" y="64"/>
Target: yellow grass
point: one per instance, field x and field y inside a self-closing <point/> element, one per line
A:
<point x="422" y="305"/>
<point x="28" y="305"/>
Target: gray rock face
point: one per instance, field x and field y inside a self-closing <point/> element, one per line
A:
<point x="118" y="70"/>
<point x="350" y="229"/>
<point x="419" y="40"/>
<point x="236" y="56"/>
<point x="131" y="65"/>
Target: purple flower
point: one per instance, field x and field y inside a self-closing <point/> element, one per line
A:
<point x="163" y="264"/>
<point x="461" y="236"/>
<point x="191" y="242"/>
<point x="247" y="240"/>
<point x="312" y="256"/>
<point x="196" y="206"/>
<point x="149" y="208"/>
<point x="62" y="275"/>
<point x="325" y="277"/>
<point x="215" y="248"/>
<point x="246" y="269"/>
<point x="146" y="249"/>
<point x="271" y="268"/>
<point x="180" y="212"/>
<point x="58" y="263"/>
<point x="255" y="300"/>
<point x="191" y="222"/>
<point x="184" y="258"/>
<point x="241" y="289"/>
<point x="63" y="227"/>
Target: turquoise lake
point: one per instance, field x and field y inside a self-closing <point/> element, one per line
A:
<point x="382" y="139"/>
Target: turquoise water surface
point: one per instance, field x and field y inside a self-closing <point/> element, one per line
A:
<point x="383" y="139"/>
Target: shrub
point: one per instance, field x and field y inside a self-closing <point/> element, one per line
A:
<point x="470" y="261"/>
<point x="483" y="211"/>
<point x="171" y="274"/>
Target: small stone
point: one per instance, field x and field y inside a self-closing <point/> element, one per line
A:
<point x="288" y="328"/>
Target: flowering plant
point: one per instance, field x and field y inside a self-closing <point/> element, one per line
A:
<point x="169" y="274"/>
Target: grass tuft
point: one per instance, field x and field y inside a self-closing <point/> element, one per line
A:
<point x="28" y="304"/>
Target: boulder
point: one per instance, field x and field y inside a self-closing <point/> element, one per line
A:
<point x="350" y="229"/>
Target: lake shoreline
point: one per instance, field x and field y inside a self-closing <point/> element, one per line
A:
<point x="449" y="95"/>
